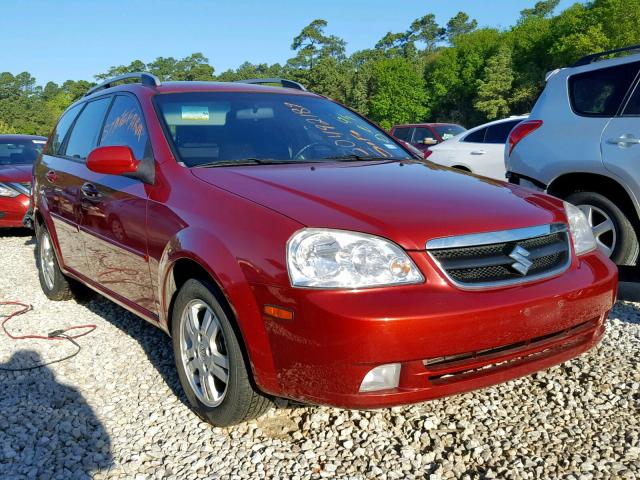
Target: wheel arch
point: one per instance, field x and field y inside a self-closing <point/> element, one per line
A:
<point x="568" y="183"/>
<point x="222" y="271"/>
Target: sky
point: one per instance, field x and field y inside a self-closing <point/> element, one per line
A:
<point x="56" y="40"/>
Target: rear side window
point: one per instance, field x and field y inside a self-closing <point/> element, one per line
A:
<point x="62" y="128"/>
<point x="476" y="137"/>
<point x="84" y="136"/>
<point x="599" y="93"/>
<point x="402" y="133"/>
<point x="422" y="133"/>
<point x="125" y="126"/>
<point x="498" y="133"/>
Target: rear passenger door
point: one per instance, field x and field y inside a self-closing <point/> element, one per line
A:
<point x="113" y="211"/>
<point x="63" y="171"/>
<point x="491" y="163"/>
<point x="621" y="142"/>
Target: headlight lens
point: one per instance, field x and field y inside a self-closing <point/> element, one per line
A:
<point x="7" y="191"/>
<point x="583" y="239"/>
<point x="325" y="258"/>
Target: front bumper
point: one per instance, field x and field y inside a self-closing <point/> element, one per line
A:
<point x="485" y="337"/>
<point x="12" y="211"/>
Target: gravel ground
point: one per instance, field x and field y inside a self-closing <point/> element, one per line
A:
<point x="116" y="411"/>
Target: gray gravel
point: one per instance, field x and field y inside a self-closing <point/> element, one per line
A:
<point x="116" y="411"/>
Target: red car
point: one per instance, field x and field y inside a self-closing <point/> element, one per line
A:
<point x="17" y="154"/>
<point x="295" y="251"/>
<point x="425" y="135"/>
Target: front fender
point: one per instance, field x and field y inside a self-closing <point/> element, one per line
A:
<point x="210" y="253"/>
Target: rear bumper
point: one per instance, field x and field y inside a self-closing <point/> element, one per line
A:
<point x="12" y="211"/>
<point x="335" y="338"/>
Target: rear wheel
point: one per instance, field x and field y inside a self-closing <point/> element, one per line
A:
<point x="611" y="226"/>
<point x="53" y="282"/>
<point x="209" y="359"/>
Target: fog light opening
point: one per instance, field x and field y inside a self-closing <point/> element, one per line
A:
<point x="382" y="377"/>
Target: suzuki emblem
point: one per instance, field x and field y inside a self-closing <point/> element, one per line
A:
<point x="522" y="264"/>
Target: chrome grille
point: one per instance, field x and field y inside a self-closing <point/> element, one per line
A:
<point x="503" y="258"/>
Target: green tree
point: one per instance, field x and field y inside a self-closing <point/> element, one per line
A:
<point x="494" y="87"/>
<point x="312" y="44"/>
<point x="459" y="25"/>
<point x="541" y="9"/>
<point x="427" y="31"/>
<point x="398" y="93"/>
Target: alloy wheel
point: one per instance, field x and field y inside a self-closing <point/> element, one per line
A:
<point x="47" y="260"/>
<point x="204" y="353"/>
<point x="603" y="228"/>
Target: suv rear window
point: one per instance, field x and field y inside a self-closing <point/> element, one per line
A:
<point x="600" y="92"/>
<point x="210" y="127"/>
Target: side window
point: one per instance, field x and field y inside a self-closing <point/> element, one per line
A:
<point x="402" y="133"/>
<point x="84" y="136"/>
<point x="633" y="106"/>
<point x="475" y="137"/>
<point x="600" y="92"/>
<point x="125" y="126"/>
<point x="498" y="133"/>
<point x="62" y="128"/>
<point x="423" y="133"/>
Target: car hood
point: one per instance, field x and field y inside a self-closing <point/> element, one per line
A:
<point x="409" y="202"/>
<point x="15" y="173"/>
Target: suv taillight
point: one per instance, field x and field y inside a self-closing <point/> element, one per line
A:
<point x="426" y="154"/>
<point x="522" y="130"/>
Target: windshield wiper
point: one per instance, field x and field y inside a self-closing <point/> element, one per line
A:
<point x="244" y="161"/>
<point x="361" y="158"/>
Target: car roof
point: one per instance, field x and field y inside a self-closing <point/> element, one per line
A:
<point x="196" y="86"/>
<point x="14" y="137"/>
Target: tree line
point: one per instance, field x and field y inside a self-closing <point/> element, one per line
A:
<point x="457" y="72"/>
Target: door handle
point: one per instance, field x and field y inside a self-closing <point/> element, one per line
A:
<point x="89" y="190"/>
<point x="624" y="141"/>
<point x="478" y="152"/>
<point x="51" y="176"/>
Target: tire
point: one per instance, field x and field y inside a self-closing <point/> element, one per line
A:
<point x="201" y="354"/>
<point x="619" y="243"/>
<point x="52" y="281"/>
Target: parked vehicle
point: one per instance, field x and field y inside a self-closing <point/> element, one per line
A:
<point x="582" y="144"/>
<point x="425" y="135"/>
<point x="17" y="154"/>
<point x="295" y="251"/>
<point x="479" y="150"/>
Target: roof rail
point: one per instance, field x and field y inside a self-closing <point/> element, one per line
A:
<point x="145" y="79"/>
<point x="285" y="83"/>
<point x="586" y="60"/>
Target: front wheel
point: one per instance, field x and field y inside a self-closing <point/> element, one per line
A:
<point x="209" y="359"/>
<point x="611" y="226"/>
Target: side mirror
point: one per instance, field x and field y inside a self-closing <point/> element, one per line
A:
<point x="115" y="160"/>
<point x="430" y="141"/>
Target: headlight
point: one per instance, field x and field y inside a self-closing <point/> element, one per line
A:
<point x="7" y="191"/>
<point x="324" y="258"/>
<point x="583" y="239"/>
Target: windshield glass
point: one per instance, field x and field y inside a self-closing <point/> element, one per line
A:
<point x="449" y="130"/>
<point x="223" y="127"/>
<point x="16" y="152"/>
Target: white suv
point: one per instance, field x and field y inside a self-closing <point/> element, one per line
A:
<point x="582" y="143"/>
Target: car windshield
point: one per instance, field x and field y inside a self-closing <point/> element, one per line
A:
<point x="16" y="152"/>
<point x="225" y="128"/>
<point x="449" y="130"/>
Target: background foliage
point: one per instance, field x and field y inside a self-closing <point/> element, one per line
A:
<point x="456" y="72"/>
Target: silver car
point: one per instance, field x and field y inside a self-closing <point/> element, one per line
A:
<point x="582" y="143"/>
